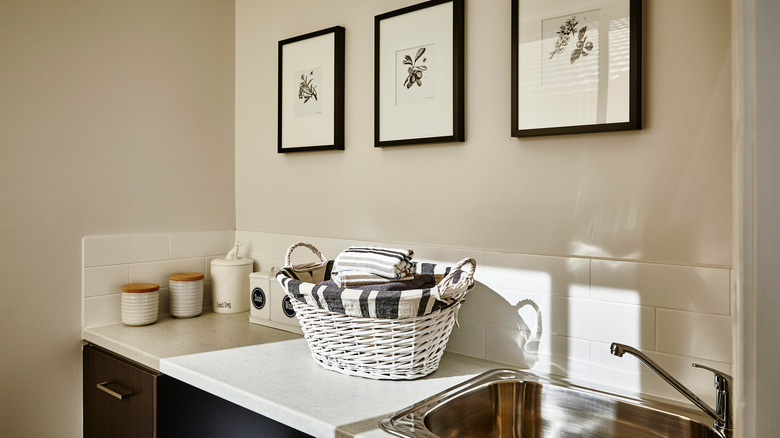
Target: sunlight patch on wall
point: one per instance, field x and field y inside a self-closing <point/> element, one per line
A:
<point x="626" y="296"/>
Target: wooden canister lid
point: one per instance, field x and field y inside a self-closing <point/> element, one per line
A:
<point x="140" y="287"/>
<point x="186" y="276"/>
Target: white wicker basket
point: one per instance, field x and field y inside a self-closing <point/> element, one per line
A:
<point x="377" y="348"/>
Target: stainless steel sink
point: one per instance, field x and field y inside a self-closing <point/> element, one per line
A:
<point x="517" y="404"/>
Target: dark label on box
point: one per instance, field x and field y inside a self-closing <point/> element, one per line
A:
<point x="287" y="307"/>
<point x="258" y="298"/>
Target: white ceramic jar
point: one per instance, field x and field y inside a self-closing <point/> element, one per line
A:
<point x="140" y="303"/>
<point x="186" y="294"/>
<point x="230" y="282"/>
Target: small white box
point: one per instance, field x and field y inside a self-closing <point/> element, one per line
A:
<point x="269" y="305"/>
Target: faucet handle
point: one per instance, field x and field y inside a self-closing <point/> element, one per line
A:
<point x="723" y="409"/>
<point x="722" y="380"/>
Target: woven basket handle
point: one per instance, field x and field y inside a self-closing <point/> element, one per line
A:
<point x="447" y="290"/>
<point x="287" y="257"/>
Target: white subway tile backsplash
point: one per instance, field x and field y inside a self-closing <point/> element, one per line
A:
<point x="123" y="249"/>
<point x="261" y="264"/>
<point x="105" y="280"/>
<point x="677" y="313"/>
<point x="566" y="276"/>
<point x="207" y="294"/>
<point x="102" y="310"/>
<point x="563" y="366"/>
<point x="696" y="289"/>
<point x="551" y="354"/>
<point x="271" y="248"/>
<point x="201" y="244"/>
<point x="448" y="256"/>
<point x="564" y="356"/>
<point x="112" y="261"/>
<point x="564" y="347"/>
<point x="468" y="339"/>
<point x="507" y="345"/>
<point x="266" y="263"/>
<point x="207" y="268"/>
<point x="695" y="334"/>
<point x="603" y="322"/>
<point x="160" y="272"/>
<point x="342" y="244"/>
<point x="274" y="246"/>
<point x="497" y="306"/>
<point x="164" y="307"/>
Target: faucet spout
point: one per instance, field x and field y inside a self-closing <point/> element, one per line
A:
<point x="722" y="414"/>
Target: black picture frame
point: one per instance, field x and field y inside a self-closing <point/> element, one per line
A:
<point x="423" y="115"/>
<point x="311" y="99"/>
<point x="536" y="112"/>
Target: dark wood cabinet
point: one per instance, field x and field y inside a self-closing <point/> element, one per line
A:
<point x="125" y="399"/>
<point x="187" y="411"/>
<point x="120" y="397"/>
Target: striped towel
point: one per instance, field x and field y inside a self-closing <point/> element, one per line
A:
<point x="370" y="265"/>
<point x="417" y="281"/>
<point x="374" y="302"/>
<point x="360" y="278"/>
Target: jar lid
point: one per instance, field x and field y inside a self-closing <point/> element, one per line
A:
<point x="186" y="276"/>
<point x="140" y="287"/>
<point x="232" y="262"/>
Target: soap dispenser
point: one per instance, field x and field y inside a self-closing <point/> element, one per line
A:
<point x="230" y="282"/>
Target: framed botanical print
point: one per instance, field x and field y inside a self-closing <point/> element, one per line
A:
<point x="311" y="92"/>
<point x="418" y="74"/>
<point x="575" y="66"/>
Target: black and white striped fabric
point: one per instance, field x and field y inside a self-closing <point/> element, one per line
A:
<point x="367" y="301"/>
<point x="366" y="265"/>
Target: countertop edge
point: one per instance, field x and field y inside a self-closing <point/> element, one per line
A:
<point x="121" y="349"/>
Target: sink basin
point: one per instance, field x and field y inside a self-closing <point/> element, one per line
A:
<point x="512" y="403"/>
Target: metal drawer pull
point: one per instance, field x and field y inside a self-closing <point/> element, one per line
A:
<point x="118" y="392"/>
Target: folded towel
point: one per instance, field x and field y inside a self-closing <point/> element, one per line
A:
<point x="390" y="263"/>
<point x="417" y="281"/>
<point x="360" y="278"/>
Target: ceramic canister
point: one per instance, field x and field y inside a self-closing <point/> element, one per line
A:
<point x="230" y="283"/>
<point x="140" y="303"/>
<point x="186" y="294"/>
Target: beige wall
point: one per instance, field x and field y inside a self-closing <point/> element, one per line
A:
<point x="114" y="117"/>
<point x="662" y="194"/>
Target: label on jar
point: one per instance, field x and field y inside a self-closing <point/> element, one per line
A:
<point x="258" y="298"/>
<point x="287" y="307"/>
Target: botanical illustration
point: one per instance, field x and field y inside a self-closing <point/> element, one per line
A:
<point x="583" y="46"/>
<point x="415" y="74"/>
<point x="306" y="88"/>
<point x="570" y="52"/>
<point x="308" y="85"/>
<point x="415" y="70"/>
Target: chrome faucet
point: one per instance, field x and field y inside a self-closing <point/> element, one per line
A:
<point x="722" y="414"/>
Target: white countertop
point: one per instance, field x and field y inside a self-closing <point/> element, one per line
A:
<point x="170" y="337"/>
<point x="271" y="372"/>
<point x="283" y="382"/>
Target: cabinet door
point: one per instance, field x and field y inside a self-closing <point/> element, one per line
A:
<point x="119" y="397"/>
<point x="187" y="411"/>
